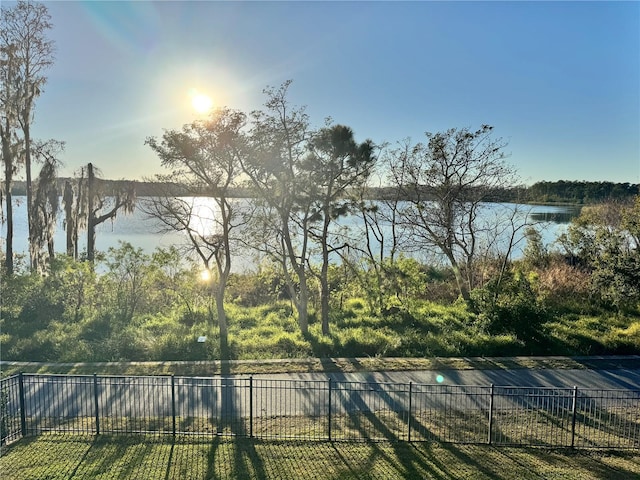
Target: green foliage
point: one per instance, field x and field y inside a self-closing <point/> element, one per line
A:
<point x="251" y="290"/>
<point x="4" y="415"/>
<point x="73" y="314"/>
<point x="606" y="240"/>
<point x="535" y="252"/>
<point x="367" y="342"/>
<point x="580" y="192"/>
<point x="404" y="279"/>
<point x="127" y="279"/>
<point x="616" y="275"/>
<point x="511" y="307"/>
<point x="73" y="283"/>
<point x="396" y="284"/>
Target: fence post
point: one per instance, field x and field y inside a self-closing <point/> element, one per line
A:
<point x="490" y="439"/>
<point x="23" y="416"/>
<point x="251" y="407"/>
<point x="96" y="404"/>
<point x="173" y="405"/>
<point x="409" y="415"/>
<point x="329" y="409"/>
<point x="574" y="406"/>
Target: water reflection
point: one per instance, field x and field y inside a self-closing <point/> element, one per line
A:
<point x="142" y="232"/>
<point x="563" y="215"/>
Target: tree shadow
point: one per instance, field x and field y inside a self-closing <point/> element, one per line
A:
<point x="246" y="460"/>
<point x="137" y="457"/>
<point x="368" y="424"/>
<point x="449" y="459"/>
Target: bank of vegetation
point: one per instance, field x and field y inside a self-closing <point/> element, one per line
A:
<point x="578" y="296"/>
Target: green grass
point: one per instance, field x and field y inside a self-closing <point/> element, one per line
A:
<point x="138" y="458"/>
<point x="425" y="330"/>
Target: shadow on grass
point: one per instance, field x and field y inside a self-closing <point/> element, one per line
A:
<point x="360" y="416"/>
<point x="144" y="458"/>
<point x="245" y="460"/>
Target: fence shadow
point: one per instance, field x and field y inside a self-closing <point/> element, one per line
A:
<point x="141" y="458"/>
<point x="413" y="466"/>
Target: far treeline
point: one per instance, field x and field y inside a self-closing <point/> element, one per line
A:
<point x="558" y="192"/>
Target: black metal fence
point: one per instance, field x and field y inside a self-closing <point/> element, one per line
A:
<point x="318" y="410"/>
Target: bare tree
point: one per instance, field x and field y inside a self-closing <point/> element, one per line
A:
<point x="205" y="161"/>
<point x="279" y="139"/>
<point x="383" y="235"/>
<point x="446" y="183"/>
<point x="23" y="30"/>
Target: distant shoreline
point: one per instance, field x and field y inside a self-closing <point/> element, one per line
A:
<point x="560" y="193"/>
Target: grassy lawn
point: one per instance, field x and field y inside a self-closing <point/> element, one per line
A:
<point x="57" y="457"/>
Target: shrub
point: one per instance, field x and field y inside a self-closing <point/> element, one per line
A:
<point x="510" y="308"/>
<point x="564" y="287"/>
<point x="253" y="289"/>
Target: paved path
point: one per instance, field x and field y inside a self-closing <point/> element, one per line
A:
<point x="614" y="379"/>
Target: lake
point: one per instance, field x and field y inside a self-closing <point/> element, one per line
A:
<point x="142" y="232"/>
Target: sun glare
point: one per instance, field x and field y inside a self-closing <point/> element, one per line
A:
<point x="205" y="275"/>
<point x="201" y="103"/>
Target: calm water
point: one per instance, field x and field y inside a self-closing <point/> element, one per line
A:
<point x="142" y="232"/>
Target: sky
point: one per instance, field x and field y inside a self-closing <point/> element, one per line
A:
<point x="560" y="82"/>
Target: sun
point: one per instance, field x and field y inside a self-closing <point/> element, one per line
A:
<point x="201" y="103"/>
<point x="205" y="275"/>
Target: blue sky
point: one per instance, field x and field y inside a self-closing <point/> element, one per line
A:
<point x="559" y="81"/>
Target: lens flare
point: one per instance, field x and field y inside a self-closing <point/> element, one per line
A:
<point x="205" y="275"/>
<point x="439" y="379"/>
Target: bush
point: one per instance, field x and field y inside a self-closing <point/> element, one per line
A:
<point x="564" y="287"/>
<point x="510" y="308"/>
<point x="253" y="289"/>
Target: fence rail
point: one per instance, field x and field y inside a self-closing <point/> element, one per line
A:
<point x="32" y="404"/>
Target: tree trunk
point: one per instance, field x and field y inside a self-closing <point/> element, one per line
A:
<point x="8" y="261"/>
<point x="303" y="310"/>
<point x="27" y="168"/>
<point x="460" y="281"/>
<point x="91" y="216"/>
<point x="76" y="215"/>
<point x="8" y="174"/>
<point x="51" y="248"/>
<point x="324" y="301"/>
<point x="324" y="287"/>
<point x="222" y="318"/>
<point x="67" y="200"/>
<point x="300" y="300"/>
